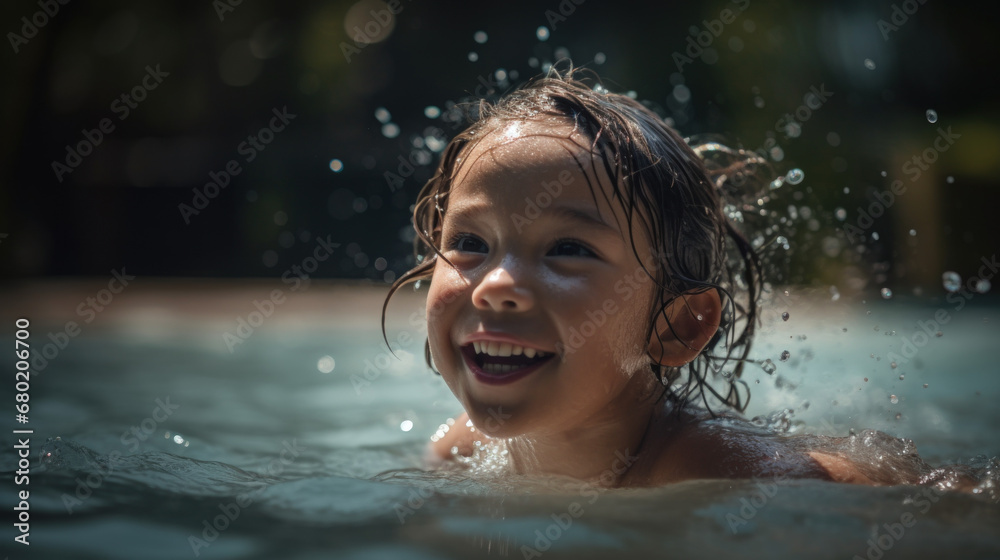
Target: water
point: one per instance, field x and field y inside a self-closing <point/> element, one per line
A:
<point x="951" y="281"/>
<point x="305" y="426"/>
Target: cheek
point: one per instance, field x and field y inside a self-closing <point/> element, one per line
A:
<point x="445" y="292"/>
<point x="630" y="331"/>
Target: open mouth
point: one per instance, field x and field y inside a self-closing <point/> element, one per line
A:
<point x="502" y="362"/>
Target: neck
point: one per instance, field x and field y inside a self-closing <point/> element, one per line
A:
<point x="599" y="450"/>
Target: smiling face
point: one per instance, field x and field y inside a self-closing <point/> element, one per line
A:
<point x="540" y="325"/>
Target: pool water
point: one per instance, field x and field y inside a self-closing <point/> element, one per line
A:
<point x="153" y="440"/>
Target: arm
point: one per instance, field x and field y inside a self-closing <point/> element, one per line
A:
<point x="841" y="469"/>
<point x="460" y="435"/>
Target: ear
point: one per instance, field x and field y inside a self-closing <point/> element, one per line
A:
<point x="685" y="326"/>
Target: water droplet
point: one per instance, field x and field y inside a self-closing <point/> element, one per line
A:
<point x="893" y="365"/>
<point x="869" y="64"/>
<point x="899" y="415"/>
<point x="866" y="380"/>
<point x="913" y="233"/>
<point x="681" y="93"/>
<point x="785" y="355"/>
<point x="406" y="425"/>
<point x="382" y="114"/>
<point x="432" y="112"/>
<point x="768" y="366"/>
<point x="902" y="376"/>
<point x="939" y="334"/>
<point x="473" y="56"/>
<point x="784" y="316"/>
<point x="390" y="130"/>
<point x="270" y="258"/>
<point x="951" y="281"/>
<point x="600" y="58"/>
<point x="795" y="176"/>
<point x="480" y="37"/>
<point x="925" y="385"/>
<point x="884" y="173"/>
<point x="841" y="214"/>
<point x="326" y="364"/>
<point x="931" y="116"/>
<point x="886" y="293"/>
<point x="950" y="179"/>
<point x="336" y="165"/>
<point x="983" y="285"/>
<point x="893" y="399"/>
<point x="542" y="33"/>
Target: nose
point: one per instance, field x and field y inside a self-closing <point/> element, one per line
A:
<point x="501" y="291"/>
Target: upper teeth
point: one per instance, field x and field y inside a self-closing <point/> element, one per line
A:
<point x="503" y="349"/>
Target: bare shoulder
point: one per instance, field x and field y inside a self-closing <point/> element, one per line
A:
<point x="460" y="435"/>
<point x="697" y="447"/>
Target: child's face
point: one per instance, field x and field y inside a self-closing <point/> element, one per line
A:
<point x="543" y="265"/>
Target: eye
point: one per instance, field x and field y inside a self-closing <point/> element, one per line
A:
<point x="467" y="243"/>
<point x="571" y="248"/>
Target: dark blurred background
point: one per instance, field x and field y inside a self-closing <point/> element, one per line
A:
<point x="359" y="108"/>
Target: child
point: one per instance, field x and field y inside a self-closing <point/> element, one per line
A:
<point x="583" y="280"/>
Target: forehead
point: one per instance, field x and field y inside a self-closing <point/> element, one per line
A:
<point x="524" y="154"/>
<point x="524" y="146"/>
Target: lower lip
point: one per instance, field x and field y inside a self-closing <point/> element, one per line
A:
<point x="497" y="378"/>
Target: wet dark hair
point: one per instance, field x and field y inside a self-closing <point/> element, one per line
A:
<point x="676" y="192"/>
